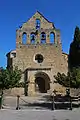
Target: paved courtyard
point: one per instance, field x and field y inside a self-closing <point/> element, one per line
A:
<point x="35" y="108"/>
<point x="40" y="114"/>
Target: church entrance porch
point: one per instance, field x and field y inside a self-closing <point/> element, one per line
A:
<point x="38" y="81"/>
<point x="40" y="85"/>
<point x="42" y="82"/>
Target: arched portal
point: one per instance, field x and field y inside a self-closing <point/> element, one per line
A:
<point x="42" y="82"/>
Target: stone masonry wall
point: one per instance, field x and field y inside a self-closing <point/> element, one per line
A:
<point x="53" y="57"/>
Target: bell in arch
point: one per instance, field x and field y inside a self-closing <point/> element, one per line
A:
<point x="33" y="37"/>
<point x="43" y="36"/>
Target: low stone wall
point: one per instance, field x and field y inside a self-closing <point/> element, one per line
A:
<point x="75" y="92"/>
<point x="58" y="88"/>
<point x="14" y="92"/>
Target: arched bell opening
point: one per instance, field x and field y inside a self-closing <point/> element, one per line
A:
<point x="42" y="82"/>
<point x="32" y="38"/>
<point x="43" y="38"/>
<point x="24" y="37"/>
<point x="52" y="37"/>
<point x="38" y="24"/>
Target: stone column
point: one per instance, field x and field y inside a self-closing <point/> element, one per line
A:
<point x="51" y="87"/>
<point x="47" y="38"/>
<point x="31" y="86"/>
<point x="18" y="37"/>
<point x="57" y="37"/>
<point x="28" y="39"/>
<point x="38" y="40"/>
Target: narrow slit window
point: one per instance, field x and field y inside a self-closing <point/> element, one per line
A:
<point x="37" y="24"/>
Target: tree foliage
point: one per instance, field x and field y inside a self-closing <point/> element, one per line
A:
<point x="72" y="79"/>
<point x="74" y="52"/>
<point x="9" y="78"/>
<point x="62" y="79"/>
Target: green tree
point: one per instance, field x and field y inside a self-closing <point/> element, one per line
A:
<point x="74" y="52"/>
<point x="72" y="79"/>
<point x="62" y="79"/>
<point x="9" y="78"/>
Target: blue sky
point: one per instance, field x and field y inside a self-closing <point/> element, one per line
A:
<point x="65" y="14"/>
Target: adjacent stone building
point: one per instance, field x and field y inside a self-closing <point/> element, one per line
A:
<point x="38" y="54"/>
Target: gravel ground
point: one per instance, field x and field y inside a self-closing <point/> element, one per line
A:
<point x="40" y="114"/>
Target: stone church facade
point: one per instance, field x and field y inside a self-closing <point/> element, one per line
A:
<point x="38" y="54"/>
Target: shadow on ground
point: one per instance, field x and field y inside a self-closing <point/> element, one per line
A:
<point x="50" y="105"/>
<point x="61" y="102"/>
